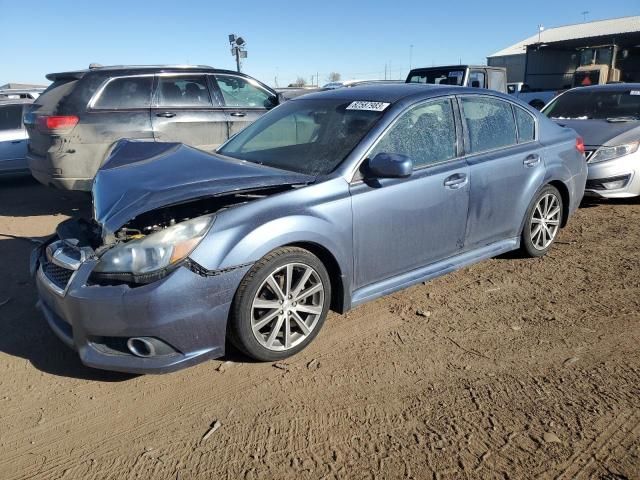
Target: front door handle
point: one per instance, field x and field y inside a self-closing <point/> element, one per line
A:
<point x="455" y="181"/>
<point x="532" y="160"/>
<point x="238" y="114"/>
<point x="17" y="141"/>
<point x="166" y="114"/>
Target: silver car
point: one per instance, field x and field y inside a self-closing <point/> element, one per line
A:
<point x="608" y="119"/>
<point x="13" y="137"/>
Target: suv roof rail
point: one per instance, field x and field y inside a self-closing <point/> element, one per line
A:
<point x="119" y="67"/>
<point x="78" y="74"/>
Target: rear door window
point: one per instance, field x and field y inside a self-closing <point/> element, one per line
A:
<point x="11" y="117"/>
<point x="490" y="123"/>
<point x="243" y="92"/>
<point x="183" y="91"/>
<point x="126" y="93"/>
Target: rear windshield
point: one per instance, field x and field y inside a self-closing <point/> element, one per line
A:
<point x="437" y="76"/>
<point x="49" y="99"/>
<point x="595" y="104"/>
<point x="306" y="136"/>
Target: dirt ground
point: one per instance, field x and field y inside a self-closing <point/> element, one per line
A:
<point x="512" y="368"/>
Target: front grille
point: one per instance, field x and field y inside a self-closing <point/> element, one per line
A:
<point x="57" y="275"/>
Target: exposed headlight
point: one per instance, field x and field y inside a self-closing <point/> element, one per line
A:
<point x="609" y="153"/>
<point x="156" y="251"/>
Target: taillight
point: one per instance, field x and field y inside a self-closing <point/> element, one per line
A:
<point x="580" y="145"/>
<point x="57" y="123"/>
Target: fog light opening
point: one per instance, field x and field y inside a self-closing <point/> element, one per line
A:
<point x="141" y="347"/>
<point x="615" y="185"/>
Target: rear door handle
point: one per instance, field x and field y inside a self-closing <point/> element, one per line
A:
<point x="238" y="114"/>
<point x="166" y="114"/>
<point x="455" y="181"/>
<point x="532" y="160"/>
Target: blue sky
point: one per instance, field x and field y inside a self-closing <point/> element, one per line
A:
<point x="284" y="39"/>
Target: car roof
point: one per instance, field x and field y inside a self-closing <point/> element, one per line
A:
<point x="393" y="92"/>
<point x="611" y="87"/>
<point x="129" y="69"/>
<point x="450" y="67"/>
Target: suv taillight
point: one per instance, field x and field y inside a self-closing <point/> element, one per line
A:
<point x="57" y="123"/>
<point x="580" y="145"/>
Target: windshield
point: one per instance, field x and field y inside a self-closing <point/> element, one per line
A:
<point x="305" y="136"/>
<point x="437" y="76"/>
<point x="595" y="104"/>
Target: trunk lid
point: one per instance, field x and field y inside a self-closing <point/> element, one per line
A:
<point x="141" y="176"/>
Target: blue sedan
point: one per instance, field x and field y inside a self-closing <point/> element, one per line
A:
<point x="326" y="202"/>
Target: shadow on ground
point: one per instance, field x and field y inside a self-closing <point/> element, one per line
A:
<point x="23" y="330"/>
<point x="25" y="197"/>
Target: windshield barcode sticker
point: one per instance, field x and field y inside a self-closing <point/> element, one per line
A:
<point x="634" y="92"/>
<point x="370" y="106"/>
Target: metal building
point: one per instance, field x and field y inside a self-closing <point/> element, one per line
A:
<point x="549" y="59"/>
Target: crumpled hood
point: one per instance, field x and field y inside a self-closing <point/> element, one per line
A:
<point x="142" y="176"/>
<point x="600" y="132"/>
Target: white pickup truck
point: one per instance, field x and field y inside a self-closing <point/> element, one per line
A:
<point x="537" y="99"/>
<point x="479" y="76"/>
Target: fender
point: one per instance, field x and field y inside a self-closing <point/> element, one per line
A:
<point x="243" y="235"/>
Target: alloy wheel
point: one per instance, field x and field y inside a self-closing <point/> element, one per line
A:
<point x="287" y="306"/>
<point x="545" y="221"/>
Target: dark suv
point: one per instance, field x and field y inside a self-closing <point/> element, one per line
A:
<point x="73" y="125"/>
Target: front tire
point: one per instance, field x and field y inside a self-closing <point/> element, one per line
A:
<point x="543" y="221"/>
<point x="280" y="305"/>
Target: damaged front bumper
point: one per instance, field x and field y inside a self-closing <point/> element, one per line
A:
<point x="186" y="311"/>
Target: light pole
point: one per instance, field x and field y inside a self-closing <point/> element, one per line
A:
<point x="238" y="48"/>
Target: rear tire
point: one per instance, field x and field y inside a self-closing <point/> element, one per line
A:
<point x="280" y="305"/>
<point x="542" y="223"/>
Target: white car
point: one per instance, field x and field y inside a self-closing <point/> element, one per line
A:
<point x="607" y="117"/>
<point x="13" y="137"/>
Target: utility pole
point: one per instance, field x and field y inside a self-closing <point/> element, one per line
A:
<point x="584" y="15"/>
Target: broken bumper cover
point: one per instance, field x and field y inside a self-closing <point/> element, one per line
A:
<point x="185" y="310"/>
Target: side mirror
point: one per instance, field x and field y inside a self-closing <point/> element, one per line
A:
<point x="389" y="165"/>
<point x="274" y="101"/>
